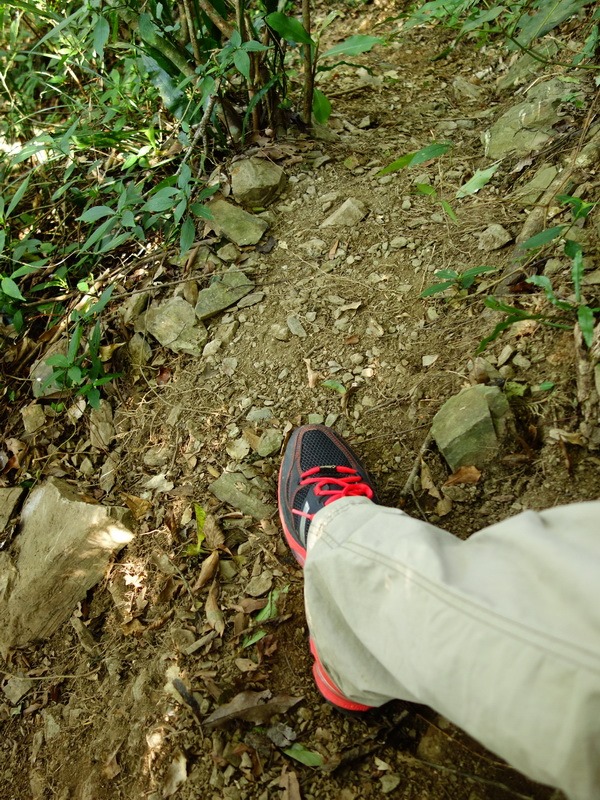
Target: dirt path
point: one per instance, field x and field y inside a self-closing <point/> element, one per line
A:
<point x="121" y="719"/>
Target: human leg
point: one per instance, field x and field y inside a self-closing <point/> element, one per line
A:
<point x="500" y="633"/>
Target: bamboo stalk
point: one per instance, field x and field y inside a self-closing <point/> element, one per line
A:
<point x="309" y="78"/>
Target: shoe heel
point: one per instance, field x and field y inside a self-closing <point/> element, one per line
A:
<point x="329" y="690"/>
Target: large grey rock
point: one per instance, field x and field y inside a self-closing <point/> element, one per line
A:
<point x="526" y="66"/>
<point x="528" y="125"/>
<point x="174" y="324"/>
<point x="8" y="502"/>
<point x="63" y="550"/>
<point x="236" y="224"/>
<point x="256" y="182"/>
<point x="238" y="491"/>
<point x="223" y="292"/>
<point x="469" y="427"/>
<point x="348" y="214"/>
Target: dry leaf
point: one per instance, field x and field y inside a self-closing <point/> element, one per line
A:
<point x="214" y="615"/>
<point x="256" y="707"/>
<point x="291" y="787"/>
<point x="427" y="481"/>
<point x="443" y="507"/>
<point x="208" y="570"/>
<point x="137" y="505"/>
<point x="313" y="377"/>
<point x="333" y="250"/>
<point x="463" y="475"/>
<point x="214" y="536"/>
<point x="176" y="775"/>
<point x="133" y="628"/>
<point x="111" y="766"/>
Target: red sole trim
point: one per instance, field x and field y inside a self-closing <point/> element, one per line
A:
<point x="328" y="688"/>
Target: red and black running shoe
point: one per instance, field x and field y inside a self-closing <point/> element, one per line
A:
<point x="318" y="468"/>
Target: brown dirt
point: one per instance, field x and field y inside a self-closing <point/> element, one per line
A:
<point x="107" y="723"/>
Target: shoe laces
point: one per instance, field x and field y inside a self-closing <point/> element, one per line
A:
<point x="345" y="483"/>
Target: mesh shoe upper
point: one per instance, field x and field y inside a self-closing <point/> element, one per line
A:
<point x="318" y="468"/>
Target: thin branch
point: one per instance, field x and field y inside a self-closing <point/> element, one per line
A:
<point x="309" y="75"/>
<point x="222" y="24"/>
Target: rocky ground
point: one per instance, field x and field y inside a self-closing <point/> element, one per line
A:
<point x="181" y="668"/>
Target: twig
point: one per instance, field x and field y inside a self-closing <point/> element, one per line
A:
<point x="222" y="24"/>
<point x="413" y="473"/>
<point x="192" y="32"/>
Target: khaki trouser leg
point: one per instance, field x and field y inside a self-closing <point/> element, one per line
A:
<point x="499" y="633"/>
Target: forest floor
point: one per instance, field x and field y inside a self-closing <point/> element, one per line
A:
<point x="124" y="716"/>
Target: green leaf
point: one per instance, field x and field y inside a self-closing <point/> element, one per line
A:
<point x="449" y="210"/>
<point x="75" y="374"/>
<point x="241" y="59"/>
<point x="253" y="638"/>
<point x="97" y="234"/>
<point x="542" y="238"/>
<point x="101" y="34"/>
<point x="307" y="757"/>
<point x="58" y="360"/>
<point x="10" y="289"/>
<point x="514" y="389"/>
<point x="95" y="213"/>
<point x="17" y="197"/>
<point x="93" y="396"/>
<point x="545" y="386"/>
<point x="577" y="273"/>
<point x="335" y="385"/>
<point x="288" y="28"/>
<point x="551" y="14"/>
<point x="196" y="549"/>
<point x="74" y="343"/>
<point x="585" y="317"/>
<point x="434" y="150"/>
<point x="353" y="46"/>
<point x="478" y="181"/>
<point x="425" y="188"/>
<point x="436" y="288"/>
<point x="321" y="107"/>
<point x="270" y="610"/>
<point x="162" y="200"/>
<point x="187" y="235"/>
<point x="254" y="47"/>
<point x="102" y="300"/>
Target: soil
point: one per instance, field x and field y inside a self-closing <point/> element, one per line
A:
<point x="123" y="714"/>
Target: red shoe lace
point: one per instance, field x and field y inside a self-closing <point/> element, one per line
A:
<point x="349" y="484"/>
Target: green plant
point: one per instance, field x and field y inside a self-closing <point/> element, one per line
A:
<point x="461" y="281"/>
<point x="80" y="369"/>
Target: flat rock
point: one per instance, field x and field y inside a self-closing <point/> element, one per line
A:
<point x="256" y="182"/>
<point x="236" y="490"/>
<point x="8" y="502"/>
<point x="222" y="293"/>
<point x="174" y="324"/>
<point x="270" y="442"/>
<point x="468" y="428"/>
<point x="260" y="584"/>
<point x="236" y="224"/>
<point x="33" y="417"/>
<point x="526" y="66"/>
<point x="348" y="214"/>
<point x="493" y="237"/>
<point x="63" y="549"/>
<point x="531" y="192"/>
<point x="526" y="126"/>
<point x="102" y="429"/>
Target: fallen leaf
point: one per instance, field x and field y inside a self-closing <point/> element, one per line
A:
<point x="133" y="628"/>
<point x="246" y="664"/>
<point x="163" y="376"/>
<point x="207" y="571"/>
<point x="176" y="775"/>
<point x="250" y="604"/>
<point x="281" y="734"/>
<point x="214" y="536"/>
<point x="427" y="361"/>
<point x="333" y="250"/>
<point x="291" y="788"/>
<point x="463" y="475"/>
<point x="256" y="707"/>
<point x="313" y="377"/>
<point x="307" y="757"/>
<point x="443" y="507"/>
<point x="111" y="766"/>
<point x="351" y="339"/>
<point x="214" y="615"/>
<point x="427" y="482"/>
